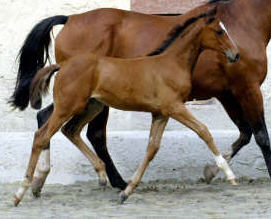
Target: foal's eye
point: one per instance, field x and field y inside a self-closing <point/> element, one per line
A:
<point x="219" y="32"/>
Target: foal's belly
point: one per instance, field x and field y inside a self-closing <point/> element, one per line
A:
<point x="128" y="102"/>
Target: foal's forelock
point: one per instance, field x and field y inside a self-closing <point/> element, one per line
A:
<point x="223" y="27"/>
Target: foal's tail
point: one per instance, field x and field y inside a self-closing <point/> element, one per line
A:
<point x="32" y="57"/>
<point x="40" y="84"/>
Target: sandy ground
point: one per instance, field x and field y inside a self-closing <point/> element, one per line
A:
<point x="161" y="198"/>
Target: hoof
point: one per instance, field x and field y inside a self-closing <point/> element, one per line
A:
<point x="36" y="186"/>
<point x="210" y="172"/>
<point x="233" y="182"/>
<point x="36" y="192"/>
<point x="102" y="183"/>
<point x="16" y="201"/>
<point x="123" y="197"/>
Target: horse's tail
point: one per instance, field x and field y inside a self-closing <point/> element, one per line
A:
<point x="32" y="57"/>
<point x="40" y="84"/>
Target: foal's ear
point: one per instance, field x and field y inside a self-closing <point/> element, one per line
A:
<point x="210" y="20"/>
<point x="212" y="12"/>
<point x="210" y="15"/>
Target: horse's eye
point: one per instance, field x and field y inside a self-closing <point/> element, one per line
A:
<point x="219" y="32"/>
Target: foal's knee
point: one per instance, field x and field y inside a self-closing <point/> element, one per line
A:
<point x="204" y="133"/>
<point x="70" y="133"/>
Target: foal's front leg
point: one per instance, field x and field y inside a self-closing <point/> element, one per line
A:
<point x="236" y="114"/>
<point x="157" y="128"/>
<point x="72" y="131"/>
<point x="181" y="114"/>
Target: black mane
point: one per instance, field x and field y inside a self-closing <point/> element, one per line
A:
<point x="219" y="1"/>
<point x="177" y="30"/>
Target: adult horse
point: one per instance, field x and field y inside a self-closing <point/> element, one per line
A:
<point x="128" y="34"/>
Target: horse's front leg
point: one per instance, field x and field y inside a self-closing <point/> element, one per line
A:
<point x="252" y="102"/>
<point x="236" y="113"/>
<point x="96" y="133"/>
<point x="43" y="166"/>
<point x="157" y="128"/>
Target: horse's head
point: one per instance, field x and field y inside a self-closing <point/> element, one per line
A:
<point x="216" y="37"/>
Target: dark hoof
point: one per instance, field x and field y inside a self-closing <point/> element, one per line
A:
<point x="123" y="197"/>
<point x="119" y="184"/>
<point x="210" y="172"/>
<point x="16" y="201"/>
<point x="36" y="193"/>
<point x="36" y="187"/>
<point x="102" y="183"/>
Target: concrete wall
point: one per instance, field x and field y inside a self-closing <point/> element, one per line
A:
<point x="162" y="6"/>
<point x="128" y="131"/>
<point x="17" y="18"/>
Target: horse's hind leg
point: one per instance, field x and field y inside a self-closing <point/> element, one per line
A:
<point x="43" y="165"/>
<point x="158" y="126"/>
<point x="236" y="113"/>
<point x="41" y="139"/>
<point x="73" y="129"/>
<point x="181" y="114"/>
<point x="96" y="133"/>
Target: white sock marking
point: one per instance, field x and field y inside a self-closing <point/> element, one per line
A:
<point x="223" y="165"/>
<point x="43" y="165"/>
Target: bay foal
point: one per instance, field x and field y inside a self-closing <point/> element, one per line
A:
<point x="159" y="84"/>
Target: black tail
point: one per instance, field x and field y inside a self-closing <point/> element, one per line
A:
<point x="32" y="57"/>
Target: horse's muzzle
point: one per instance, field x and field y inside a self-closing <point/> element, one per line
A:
<point x="232" y="56"/>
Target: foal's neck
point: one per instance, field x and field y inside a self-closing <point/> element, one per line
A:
<point x="186" y="48"/>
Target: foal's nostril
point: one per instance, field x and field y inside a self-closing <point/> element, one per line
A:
<point x="237" y="57"/>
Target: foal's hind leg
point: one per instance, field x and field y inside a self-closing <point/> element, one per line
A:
<point x="41" y="139"/>
<point x="181" y="114"/>
<point x="158" y="125"/>
<point x="96" y="133"/>
<point x="236" y="113"/>
<point x="73" y="129"/>
<point x="43" y="166"/>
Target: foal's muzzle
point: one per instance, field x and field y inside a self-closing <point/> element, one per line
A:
<point x="232" y="56"/>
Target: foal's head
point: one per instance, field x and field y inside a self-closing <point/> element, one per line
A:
<point x="216" y="37"/>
